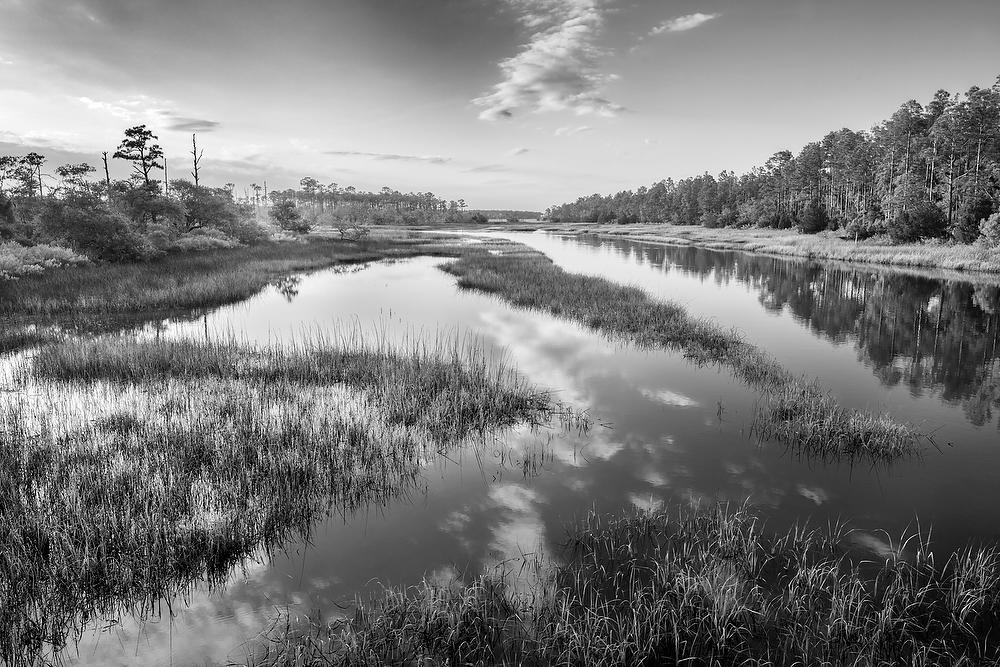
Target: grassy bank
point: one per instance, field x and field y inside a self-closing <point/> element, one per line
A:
<point x="693" y="587"/>
<point x="191" y="280"/>
<point x="111" y="297"/>
<point x="792" y="410"/>
<point x="132" y="470"/>
<point x="784" y="242"/>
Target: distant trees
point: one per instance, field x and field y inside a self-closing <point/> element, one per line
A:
<point x="75" y="215"/>
<point x="943" y="156"/>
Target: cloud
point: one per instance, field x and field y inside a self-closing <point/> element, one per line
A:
<point x="128" y="109"/>
<point x="488" y="169"/>
<point x="570" y="131"/>
<point x="151" y="111"/>
<point x="393" y="157"/>
<point x="558" y="68"/>
<point x="518" y="151"/>
<point x="185" y="124"/>
<point x="682" y="23"/>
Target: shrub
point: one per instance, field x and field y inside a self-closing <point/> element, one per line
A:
<point x="864" y="227"/>
<point x="727" y="218"/>
<point x="923" y="221"/>
<point x="288" y="217"/>
<point x="989" y="230"/>
<point x="710" y="220"/>
<point x="85" y="224"/>
<point x="814" y="219"/>
<point x="17" y="261"/>
<point x="967" y="224"/>
<point x="199" y="240"/>
<point x="144" y="204"/>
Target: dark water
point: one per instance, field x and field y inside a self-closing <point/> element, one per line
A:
<point x="921" y="347"/>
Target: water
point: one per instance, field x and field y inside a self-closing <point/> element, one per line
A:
<point x="919" y="346"/>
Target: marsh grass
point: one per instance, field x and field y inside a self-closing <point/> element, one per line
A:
<point x="194" y="280"/>
<point x="700" y="587"/>
<point x="133" y="470"/>
<point x="792" y="410"/>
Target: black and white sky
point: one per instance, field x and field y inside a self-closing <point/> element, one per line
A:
<point x="507" y="103"/>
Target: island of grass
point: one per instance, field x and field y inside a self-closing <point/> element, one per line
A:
<point x="133" y="469"/>
<point x="792" y="410"/>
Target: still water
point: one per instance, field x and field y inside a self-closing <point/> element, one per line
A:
<point x="919" y="346"/>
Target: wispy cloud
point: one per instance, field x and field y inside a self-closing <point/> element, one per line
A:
<point x="559" y="67"/>
<point x="128" y="109"/>
<point x="185" y="124"/>
<point x="682" y="23"/>
<point x="146" y="109"/>
<point x="518" y="151"/>
<point x="393" y="157"/>
<point x="488" y="169"/>
<point x="570" y="131"/>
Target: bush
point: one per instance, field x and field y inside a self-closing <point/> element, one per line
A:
<point x="814" y="219"/>
<point x="864" y="227"/>
<point x="17" y="261"/>
<point x="989" y="230"/>
<point x="287" y="215"/>
<point x="144" y="204"/>
<point x="710" y="220"/>
<point x="199" y="240"/>
<point x="970" y="216"/>
<point x="923" y="221"/>
<point x="85" y="224"/>
<point x="728" y="218"/>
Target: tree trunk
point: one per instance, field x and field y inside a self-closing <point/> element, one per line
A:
<point x="107" y="175"/>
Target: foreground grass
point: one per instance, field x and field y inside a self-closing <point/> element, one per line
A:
<point x="792" y="410"/>
<point x="825" y="246"/>
<point x="691" y="587"/>
<point x="132" y="470"/>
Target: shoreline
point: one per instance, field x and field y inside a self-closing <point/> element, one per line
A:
<point x="953" y="261"/>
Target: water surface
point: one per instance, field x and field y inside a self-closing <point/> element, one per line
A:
<point x="920" y="347"/>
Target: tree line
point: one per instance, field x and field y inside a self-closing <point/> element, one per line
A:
<point x="78" y="209"/>
<point x="928" y="171"/>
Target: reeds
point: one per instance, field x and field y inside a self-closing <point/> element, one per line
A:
<point x="792" y="410"/>
<point x="132" y="470"/>
<point x="702" y="587"/>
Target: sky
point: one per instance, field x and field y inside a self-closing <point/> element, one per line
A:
<point x="504" y="103"/>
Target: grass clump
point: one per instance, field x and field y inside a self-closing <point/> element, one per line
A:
<point x="133" y="470"/>
<point x="792" y="410"/>
<point x="703" y="587"/>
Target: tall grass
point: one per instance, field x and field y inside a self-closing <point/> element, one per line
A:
<point x="793" y="410"/>
<point x="131" y="470"/>
<point x="700" y="587"/>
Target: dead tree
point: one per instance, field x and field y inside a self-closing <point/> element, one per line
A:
<point x="196" y="157"/>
